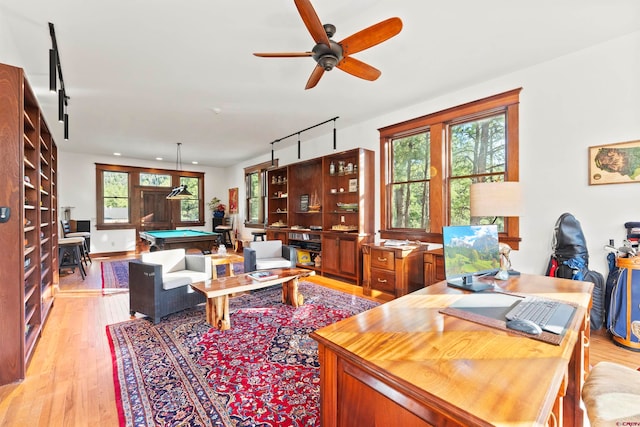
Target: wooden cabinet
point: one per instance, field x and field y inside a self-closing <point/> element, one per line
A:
<point x="433" y="267"/>
<point x="330" y="197"/>
<point x="340" y="255"/>
<point x="28" y="191"/>
<point x="396" y="270"/>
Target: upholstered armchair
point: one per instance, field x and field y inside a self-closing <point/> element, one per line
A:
<point x="159" y="282"/>
<point x="268" y="254"/>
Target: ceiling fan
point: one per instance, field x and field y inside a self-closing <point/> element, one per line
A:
<point x="329" y="54"/>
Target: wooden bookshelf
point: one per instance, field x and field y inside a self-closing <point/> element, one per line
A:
<point x="28" y="176"/>
<point x="342" y="185"/>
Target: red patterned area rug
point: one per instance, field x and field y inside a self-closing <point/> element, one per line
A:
<point x="263" y="372"/>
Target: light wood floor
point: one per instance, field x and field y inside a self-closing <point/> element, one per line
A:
<point x="70" y="378"/>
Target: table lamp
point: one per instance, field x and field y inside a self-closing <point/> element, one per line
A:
<point x="494" y="199"/>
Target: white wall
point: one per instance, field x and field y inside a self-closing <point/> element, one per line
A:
<point x="77" y="188"/>
<point x="587" y="98"/>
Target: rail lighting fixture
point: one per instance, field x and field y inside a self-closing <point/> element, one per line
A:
<point x="55" y="74"/>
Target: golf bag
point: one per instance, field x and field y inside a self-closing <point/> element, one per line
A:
<point x="625" y="307"/>
<point x="570" y="260"/>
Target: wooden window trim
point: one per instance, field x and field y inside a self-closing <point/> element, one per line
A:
<point x="262" y="169"/>
<point x="437" y="123"/>
<point x="134" y="178"/>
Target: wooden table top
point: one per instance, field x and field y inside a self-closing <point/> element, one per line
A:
<point x="481" y="373"/>
<point x="244" y="282"/>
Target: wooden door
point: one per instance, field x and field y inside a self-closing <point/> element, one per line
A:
<point x="154" y="212"/>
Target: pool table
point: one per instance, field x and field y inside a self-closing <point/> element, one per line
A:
<point x="170" y="239"/>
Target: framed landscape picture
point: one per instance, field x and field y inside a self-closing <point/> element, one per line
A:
<point x="614" y="163"/>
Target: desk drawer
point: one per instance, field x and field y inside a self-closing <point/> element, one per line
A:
<point x="382" y="280"/>
<point x="383" y="259"/>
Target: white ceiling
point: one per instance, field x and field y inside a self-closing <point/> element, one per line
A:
<point x="143" y="75"/>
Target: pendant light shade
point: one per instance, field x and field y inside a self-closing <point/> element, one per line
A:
<point x="179" y="192"/>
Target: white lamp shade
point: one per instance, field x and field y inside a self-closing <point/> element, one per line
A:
<point x="496" y="199"/>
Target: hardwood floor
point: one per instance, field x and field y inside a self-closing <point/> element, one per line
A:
<point x="70" y="378"/>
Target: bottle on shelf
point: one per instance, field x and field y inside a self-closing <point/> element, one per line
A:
<point x="332" y="168"/>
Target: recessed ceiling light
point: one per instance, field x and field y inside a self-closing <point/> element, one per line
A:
<point x="117" y="154"/>
<point x="158" y="158"/>
<point x="194" y="163"/>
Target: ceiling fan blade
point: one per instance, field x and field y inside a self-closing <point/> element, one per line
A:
<point x="317" y="72"/>
<point x="283" y="54"/>
<point x="311" y="20"/>
<point x="358" y="68"/>
<point x="371" y="36"/>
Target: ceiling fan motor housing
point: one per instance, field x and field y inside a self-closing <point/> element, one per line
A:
<point x="327" y="56"/>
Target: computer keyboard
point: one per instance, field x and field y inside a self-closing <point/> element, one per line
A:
<point x="552" y="316"/>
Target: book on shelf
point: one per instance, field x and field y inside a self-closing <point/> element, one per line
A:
<point x="262" y="276"/>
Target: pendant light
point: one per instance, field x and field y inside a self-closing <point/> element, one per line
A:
<point x="179" y="192"/>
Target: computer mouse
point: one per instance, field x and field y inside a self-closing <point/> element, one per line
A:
<point x="524" y="325"/>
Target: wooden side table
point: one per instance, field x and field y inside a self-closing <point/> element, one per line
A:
<point x="395" y="270"/>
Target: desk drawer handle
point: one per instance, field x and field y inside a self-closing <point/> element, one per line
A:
<point x="382" y="259"/>
<point x="382" y="281"/>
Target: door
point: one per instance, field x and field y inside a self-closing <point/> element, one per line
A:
<point x="155" y="210"/>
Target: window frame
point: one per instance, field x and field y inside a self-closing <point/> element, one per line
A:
<point x="134" y="183"/>
<point x="261" y="169"/>
<point x="437" y="124"/>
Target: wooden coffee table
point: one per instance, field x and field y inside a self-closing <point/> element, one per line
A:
<point x="218" y="290"/>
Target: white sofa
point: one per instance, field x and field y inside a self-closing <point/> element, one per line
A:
<point x="159" y="282"/>
<point x="263" y="255"/>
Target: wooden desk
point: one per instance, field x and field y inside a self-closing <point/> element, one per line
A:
<point x="404" y="363"/>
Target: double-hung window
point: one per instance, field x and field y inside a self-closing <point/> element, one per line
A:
<point x="431" y="161"/>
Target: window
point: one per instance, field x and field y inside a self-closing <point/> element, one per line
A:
<point x="255" y="191"/>
<point x="129" y="197"/>
<point x="409" y="186"/>
<point x="116" y="197"/>
<point x="431" y="161"/>
<point x="189" y="208"/>
<point x="155" y="179"/>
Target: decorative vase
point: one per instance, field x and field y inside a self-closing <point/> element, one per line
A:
<point x="218" y="214"/>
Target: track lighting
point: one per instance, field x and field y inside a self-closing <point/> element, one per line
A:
<point x="304" y="130"/>
<point x="66" y="127"/>
<point x="60" y="105"/>
<point x="53" y="74"/>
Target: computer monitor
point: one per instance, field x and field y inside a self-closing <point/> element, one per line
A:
<point x="470" y="253"/>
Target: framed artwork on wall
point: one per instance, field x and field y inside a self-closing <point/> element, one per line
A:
<point x="614" y="163"/>
<point x="233" y="200"/>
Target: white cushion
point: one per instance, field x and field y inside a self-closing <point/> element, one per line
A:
<point x="267" y="249"/>
<point x="182" y="278"/>
<point x="171" y="260"/>
<point x="267" y="263"/>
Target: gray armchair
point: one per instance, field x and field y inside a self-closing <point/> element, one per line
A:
<point x="159" y="282"/>
<point x="268" y="254"/>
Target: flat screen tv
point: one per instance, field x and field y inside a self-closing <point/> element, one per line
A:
<point x="471" y="255"/>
